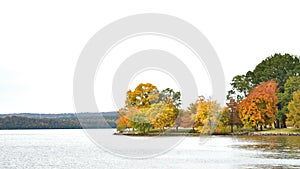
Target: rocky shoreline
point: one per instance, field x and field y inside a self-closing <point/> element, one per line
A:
<point x="157" y="134"/>
<point x="198" y="134"/>
<point x="272" y="134"/>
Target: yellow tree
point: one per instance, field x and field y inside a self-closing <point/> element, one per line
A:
<point x="260" y="106"/>
<point x="202" y="112"/>
<point x="293" y="117"/>
<point x="207" y="115"/>
<point x="147" y="107"/>
<point x="143" y="96"/>
<point x="163" y="115"/>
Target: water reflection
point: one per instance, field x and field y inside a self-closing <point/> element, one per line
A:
<point x="275" y="147"/>
<point x="271" y="167"/>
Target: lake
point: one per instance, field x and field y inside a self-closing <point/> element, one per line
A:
<point x="73" y="149"/>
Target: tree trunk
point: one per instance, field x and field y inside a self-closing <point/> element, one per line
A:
<point x="277" y="123"/>
<point x="284" y="122"/>
<point x="256" y="127"/>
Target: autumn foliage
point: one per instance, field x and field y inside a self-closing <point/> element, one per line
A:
<point x="207" y="116"/>
<point x="293" y="118"/>
<point x="123" y="121"/>
<point x="143" y="96"/>
<point x="148" y="108"/>
<point x="260" y="106"/>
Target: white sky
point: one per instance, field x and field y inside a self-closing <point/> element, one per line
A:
<point x="40" y="43"/>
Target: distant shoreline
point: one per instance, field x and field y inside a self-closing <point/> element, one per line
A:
<point x="29" y="121"/>
<point x="152" y="134"/>
<point x="58" y="121"/>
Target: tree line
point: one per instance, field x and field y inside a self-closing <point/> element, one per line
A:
<point x="267" y="97"/>
<point x="284" y="69"/>
<point x="65" y="121"/>
<point x="17" y="122"/>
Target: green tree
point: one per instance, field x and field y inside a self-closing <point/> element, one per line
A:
<point x="169" y="96"/>
<point x="293" y="117"/>
<point x="290" y="86"/>
<point x="241" y="86"/>
<point x="139" y="119"/>
<point x="278" y="67"/>
<point x="224" y="118"/>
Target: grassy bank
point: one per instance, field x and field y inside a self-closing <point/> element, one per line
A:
<point x="285" y="130"/>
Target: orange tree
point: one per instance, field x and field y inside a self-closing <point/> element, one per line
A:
<point x="259" y="108"/>
<point x="123" y="121"/>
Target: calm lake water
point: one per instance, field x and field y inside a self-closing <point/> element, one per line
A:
<point x="73" y="149"/>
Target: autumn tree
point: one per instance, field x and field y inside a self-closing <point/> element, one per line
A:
<point x="293" y="117"/>
<point x="146" y="108"/>
<point x="226" y="119"/>
<point x="278" y="67"/>
<point x="163" y="115"/>
<point x="166" y="111"/>
<point x="191" y="113"/>
<point x="186" y="119"/>
<point x="232" y="112"/>
<point x="179" y="118"/>
<point x="143" y="96"/>
<point x="123" y="122"/>
<point x="291" y="85"/>
<point x="207" y="115"/>
<point x="260" y="106"/>
<point x="139" y="119"/>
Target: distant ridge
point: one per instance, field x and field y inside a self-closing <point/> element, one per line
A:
<point x="58" y="121"/>
<point x="59" y="115"/>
